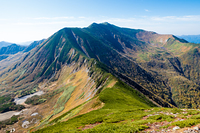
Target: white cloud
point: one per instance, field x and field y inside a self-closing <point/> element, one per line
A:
<point x="48" y="23"/>
<point x="118" y="20"/>
<point x="177" y="18"/>
<point x="51" y="18"/>
<point x="43" y="27"/>
<point x="146" y="10"/>
<point x="177" y="25"/>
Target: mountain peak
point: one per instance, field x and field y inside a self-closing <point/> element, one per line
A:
<point x="95" y="24"/>
<point x="105" y="23"/>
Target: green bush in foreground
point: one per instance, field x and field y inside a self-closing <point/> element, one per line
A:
<point x="186" y="123"/>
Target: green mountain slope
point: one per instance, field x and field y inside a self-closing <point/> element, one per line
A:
<point x="121" y="103"/>
<point x="107" y="69"/>
<point x="118" y="48"/>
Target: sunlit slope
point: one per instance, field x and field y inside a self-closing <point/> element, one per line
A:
<point x="76" y="87"/>
<point x="67" y="45"/>
<point x="97" y="75"/>
<point x="145" y="60"/>
<point x="81" y="87"/>
<point x="121" y="103"/>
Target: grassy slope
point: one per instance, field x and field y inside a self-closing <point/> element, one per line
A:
<point x="126" y="111"/>
<point x="121" y="103"/>
<point x="123" y="106"/>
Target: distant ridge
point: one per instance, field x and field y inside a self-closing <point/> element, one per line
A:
<point x="191" y="38"/>
<point x="11" y="49"/>
<point x="33" y="45"/>
<point x="4" y="44"/>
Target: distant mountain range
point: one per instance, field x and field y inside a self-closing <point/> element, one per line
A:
<point x="10" y="49"/>
<point x="191" y="38"/>
<point x="4" y="44"/>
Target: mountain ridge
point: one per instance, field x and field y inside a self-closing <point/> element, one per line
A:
<point x="11" y="49"/>
<point x="76" y="67"/>
<point x="74" y="34"/>
<point x="4" y="44"/>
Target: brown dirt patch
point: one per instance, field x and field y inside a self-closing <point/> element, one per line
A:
<point x="89" y="126"/>
<point x="184" y="48"/>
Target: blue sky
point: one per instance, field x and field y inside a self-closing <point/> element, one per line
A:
<point x="26" y="20"/>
